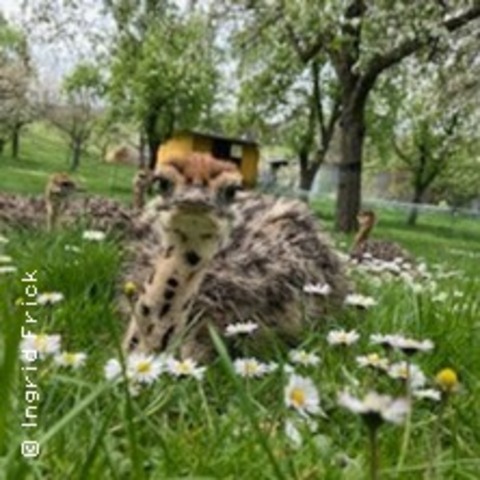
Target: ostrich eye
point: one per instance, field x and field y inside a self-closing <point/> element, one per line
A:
<point x="227" y="193"/>
<point x="162" y="185"/>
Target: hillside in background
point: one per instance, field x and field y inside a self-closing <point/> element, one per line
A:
<point x="44" y="151"/>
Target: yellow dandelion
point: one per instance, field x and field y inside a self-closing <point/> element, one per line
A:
<point x="447" y="379"/>
<point x="129" y="289"/>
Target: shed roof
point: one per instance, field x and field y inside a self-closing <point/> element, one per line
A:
<point x="218" y="136"/>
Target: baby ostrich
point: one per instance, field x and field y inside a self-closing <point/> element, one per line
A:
<point x="142" y="181"/>
<point x="224" y="256"/>
<point x="57" y="192"/>
<point x="378" y="249"/>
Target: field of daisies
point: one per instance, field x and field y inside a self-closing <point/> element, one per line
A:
<point x="387" y="388"/>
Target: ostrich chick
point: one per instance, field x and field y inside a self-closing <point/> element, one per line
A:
<point x="364" y="247"/>
<point x="141" y="183"/>
<point x="57" y="192"/>
<point x="223" y="256"/>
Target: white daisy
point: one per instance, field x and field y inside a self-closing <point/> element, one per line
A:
<point x="49" y="298"/>
<point x="293" y="434"/>
<point x="8" y="269"/>
<point x="410" y="345"/>
<point x="372" y="360"/>
<point x="5" y="259"/>
<point x="428" y="394"/>
<point x="342" y="337"/>
<point x="244" y="328"/>
<point x="143" y="368"/>
<point x="302" y="357"/>
<point x="375" y="407"/>
<point x="440" y="297"/>
<point x="360" y="301"/>
<point x="184" y="368"/>
<point x="67" y="359"/>
<point x="72" y="248"/>
<point x="42" y="344"/>
<point x="252" y="368"/>
<point x="112" y="369"/>
<point x="323" y="289"/>
<point x="94" y="235"/>
<point x="385" y="341"/>
<point x="405" y="371"/>
<point x="302" y="395"/>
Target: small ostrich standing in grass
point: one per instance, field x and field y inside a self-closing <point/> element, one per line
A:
<point x="222" y="256"/>
<point x="57" y="192"/>
<point x="58" y="206"/>
<point x="364" y="247"/>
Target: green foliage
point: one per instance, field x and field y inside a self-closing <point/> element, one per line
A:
<point x="162" y="68"/>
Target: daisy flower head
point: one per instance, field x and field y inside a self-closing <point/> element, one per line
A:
<point x="8" y="269"/>
<point x="112" y="369"/>
<point x="360" y="301"/>
<point x="68" y="359"/>
<point x="302" y="395"/>
<point x="409" y="346"/>
<point x="43" y="345"/>
<point x="342" y="337"/>
<point x="242" y="328"/>
<point x="72" y="248"/>
<point x="252" y="368"/>
<point x="427" y="394"/>
<point x="376" y="408"/>
<point x="184" y="368"/>
<point x="142" y="368"/>
<point x="49" y="298"/>
<point x="94" y="235"/>
<point x="302" y="357"/>
<point x="5" y="259"/>
<point x="323" y="289"/>
<point x="408" y="372"/>
<point x="372" y="360"/>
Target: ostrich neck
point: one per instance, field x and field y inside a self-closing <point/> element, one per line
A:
<point x="168" y="296"/>
<point x="138" y="197"/>
<point x="362" y="235"/>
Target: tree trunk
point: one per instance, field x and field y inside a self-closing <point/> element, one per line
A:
<point x="416" y="200"/>
<point x="350" y="169"/>
<point x="76" y="155"/>
<point x="15" y="142"/>
<point x="153" y="145"/>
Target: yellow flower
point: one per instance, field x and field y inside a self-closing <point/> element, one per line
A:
<point x="447" y="379"/>
<point x="129" y="289"/>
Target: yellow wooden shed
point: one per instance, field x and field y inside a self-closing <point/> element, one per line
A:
<point x="244" y="153"/>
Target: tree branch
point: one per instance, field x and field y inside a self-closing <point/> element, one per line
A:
<point x="379" y="63"/>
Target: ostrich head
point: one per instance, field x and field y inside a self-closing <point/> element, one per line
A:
<point x="195" y="195"/>
<point x="60" y="185"/>
<point x="366" y="219"/>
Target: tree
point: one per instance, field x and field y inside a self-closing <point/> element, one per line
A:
<point x="362" y="40"/>
<point x="16" y="74"/>
<point x="296" y="104"/>
<point x="427" y="122"/>
<point x="75" y="114"/>
<point x="162" y="68"/>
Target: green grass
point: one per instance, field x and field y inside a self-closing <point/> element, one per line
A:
<point x="44" y="151"/>
<point x="225" y="427"/>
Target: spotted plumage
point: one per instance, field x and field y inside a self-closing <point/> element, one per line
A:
<point x="241" y="256"/>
